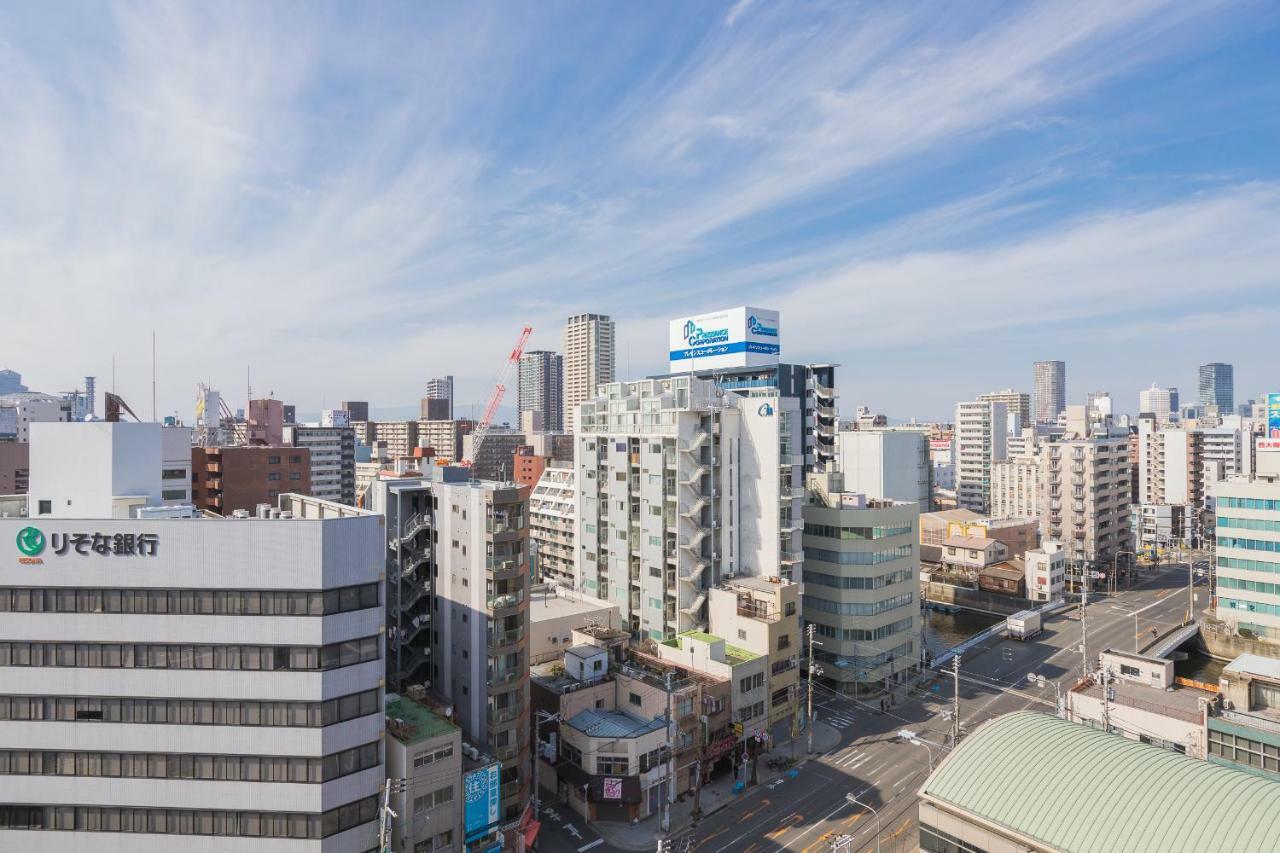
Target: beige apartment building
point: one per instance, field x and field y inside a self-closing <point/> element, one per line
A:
<point x="1085" y="485"/>
<point x="588" y="361"/>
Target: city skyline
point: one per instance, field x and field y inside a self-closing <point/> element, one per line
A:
<point x="1048" y="169"/>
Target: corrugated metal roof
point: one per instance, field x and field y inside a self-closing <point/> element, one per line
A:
<point x="614" y="724"/>
<point x="1077" y="789"/>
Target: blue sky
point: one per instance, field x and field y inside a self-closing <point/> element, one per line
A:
<point x="352" y="198"/>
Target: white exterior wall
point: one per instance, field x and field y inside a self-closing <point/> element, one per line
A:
<point x="204" y="554"/>
<point x="981" y="438"/>
<point x="1257" y="609"/>
<point x="81" y="467"/>
<point x="885" y="464"/>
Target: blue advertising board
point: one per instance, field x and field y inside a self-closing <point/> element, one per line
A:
<point x="1273" y="415"/>
<point x="481" y="793"/>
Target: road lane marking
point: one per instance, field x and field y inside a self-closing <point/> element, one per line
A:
<point x="851" y="821"/>
<point x="756" y="810"/>
<point x="714" y="834"/>
<point x="595" y="843"/>
<point x="787" y="823"/>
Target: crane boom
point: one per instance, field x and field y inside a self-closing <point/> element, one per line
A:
<point x="482" y="428"/>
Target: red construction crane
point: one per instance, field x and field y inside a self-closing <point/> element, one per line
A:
<point x="482" y="428"/>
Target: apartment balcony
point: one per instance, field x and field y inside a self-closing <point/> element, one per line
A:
<point x="502" y="716"/>
<point x="507" y="601"/>
<point x="825" y="411"/>
<point x="822" y="392"/>
<point x="499" y="638"/>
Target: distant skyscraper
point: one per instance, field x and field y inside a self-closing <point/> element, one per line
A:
<point x="588" y="360"/>
<point x="11" y="382"/>
<point x="1173" y="399"/>
<point x="1157" y="401"/>
<point x="90" y="390"/>
<point x="439" y="388"/>
<point x="542" y="387"/>
<point x="1049" y="390"/>
<point x="1217" y="387"/>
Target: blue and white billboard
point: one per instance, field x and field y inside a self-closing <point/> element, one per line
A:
<point x="482" y="792"/>
<point x="732" y="338"/>
<point x="1273" y="415"/>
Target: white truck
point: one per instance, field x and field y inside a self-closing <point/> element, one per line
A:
<point x="1023" y="625"/>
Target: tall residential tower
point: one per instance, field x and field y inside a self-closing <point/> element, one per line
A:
<point x="542" y="387"/>
<point x="1049" y="390"/>
<point x="588" y="361"/>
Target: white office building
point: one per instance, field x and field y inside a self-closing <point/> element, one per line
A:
<point x="24" y="408"/>
<point x="680" y="485"/>
<point x="589" y="360"/>
<point x="1017" y="405"/>
<point x="887" y="464"/>
<point x="1158" y="402"/>
<point x="173" y="681"/>
<point x="981" y="439"/>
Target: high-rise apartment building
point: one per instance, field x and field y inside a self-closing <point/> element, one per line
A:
<point x="680" y="486"/>
<point x="1017" y="404"/>
<point x="1015" y="487"/>
<point x="440" y="388"/>
<point x="333" y="459"/>
<point x="981" y="440"/>
<point x="495" y="458"/>
<point x="861" y="581"/>
<point x="445" y="437"/>
<point x="551" y="521"/>
<point x="458" y="617"/>
<point x="589" y="361"/>
<point x="1218" y="387"/>
<point x="1085" y="491"/>
<point x="398" y="438"/>
<point x="542" y="387"/>
<point x="175" y="681"/>
<point x="1158" y="402"/>
<point x="1049" y="390"/>
<point x="1248" y="555"/>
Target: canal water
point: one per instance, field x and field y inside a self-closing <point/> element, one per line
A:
<point x="945" y="630"/>
<point x="1199" y="667"/>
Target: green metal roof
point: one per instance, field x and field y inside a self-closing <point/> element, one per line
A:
<point x="1077" y="789"/>
<point x="421" y="723"/>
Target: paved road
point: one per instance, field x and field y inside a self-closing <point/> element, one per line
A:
<point x="806" y="814"/>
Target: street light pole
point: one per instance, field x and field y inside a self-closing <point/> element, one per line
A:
<point x="856" y="802"/>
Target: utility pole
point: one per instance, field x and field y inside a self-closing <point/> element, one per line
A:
<point x="1191" y="587"/>
<point x="702" y="754"/>
<point x="955" y="712"/>
<point x="1106" y="701"/>
<point x="671" y="759"/>
<point x="809" y="713"/>
<point x="1084" y="630"/>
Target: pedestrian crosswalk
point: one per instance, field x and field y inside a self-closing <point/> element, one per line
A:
<point x="840" y="721"/>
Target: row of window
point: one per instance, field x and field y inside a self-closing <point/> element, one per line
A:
<point x="1250" y="565"/>
<point x="1249" y="586"/>
<point x="161" y="656"/>
<point x="431" y="757"/>
<point x="843" y="582"/>
<point x="1249" y="524"/>
<point x="751" y="682"/>
<point x="432" y="799"/>
<point x="190" y="821"/>
<point x="190" y="712"/>
<point x="1250" y="503"/>
<point x="165" y="765"/>
<point x="858" y="558"/>
<point x="859" y="609"/>
<point x="867" y="662"/>
<point x="831" y="531"/>
<point x="1249" y="606"/>
<point x="1242" y="750"/>
<point x="203" y="602"/>
<point x="1249" y="544"/>
<point x="863" y="635"/>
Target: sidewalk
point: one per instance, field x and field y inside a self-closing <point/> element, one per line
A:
<point x="718" y="794"/>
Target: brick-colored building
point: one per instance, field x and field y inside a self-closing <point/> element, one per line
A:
<point x="225" y="479"/>
<point x="14" y="467"/>
<point x="527" y="466"/>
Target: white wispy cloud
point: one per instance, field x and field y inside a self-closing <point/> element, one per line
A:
<point x="353" y="204"/>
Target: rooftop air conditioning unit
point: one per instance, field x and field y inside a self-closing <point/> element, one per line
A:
<point x="240" y="513"/>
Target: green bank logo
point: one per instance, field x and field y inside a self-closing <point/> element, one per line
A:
<point x="30" y="541"/>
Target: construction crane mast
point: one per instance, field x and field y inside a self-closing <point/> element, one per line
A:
<point x="482" y="428"/>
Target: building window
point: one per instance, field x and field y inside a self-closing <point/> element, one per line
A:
<point x="789" y="609"/>
<point x="274" y="475"/>
<point x="784" y="642"/>
<point x="273" y="460"/>
<point x="742" y="634"/>
<point x="45" y="507"/>
<point x="295" y="460"/>
<point x="295" y="476"/>
<point x="173" y="494"/>
<point x="635" y="699"/>
<point x="173" y="474"/>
